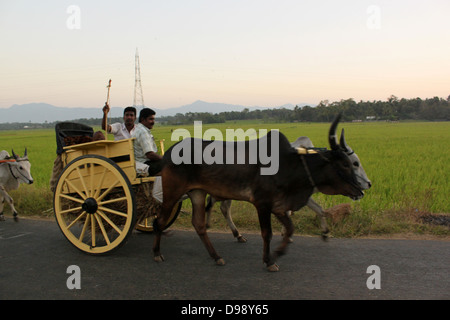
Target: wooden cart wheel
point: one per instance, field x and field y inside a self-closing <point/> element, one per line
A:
<point x="146" y="225"/>
<point x="94" y="204"/>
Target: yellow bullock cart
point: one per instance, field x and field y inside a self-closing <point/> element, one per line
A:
<point x="99" y="199"/>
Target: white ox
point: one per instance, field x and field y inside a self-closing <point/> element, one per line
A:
<point x="301" y="142"/>
<point x="13" y="171"/>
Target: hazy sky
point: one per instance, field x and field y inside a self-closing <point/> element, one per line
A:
<point x="255" y="53"/>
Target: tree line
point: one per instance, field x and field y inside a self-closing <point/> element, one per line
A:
<point x="393" y="109"/>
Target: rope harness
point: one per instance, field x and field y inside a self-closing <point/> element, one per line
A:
<point x="8" y="161"/>
<point x="302" y="152"/>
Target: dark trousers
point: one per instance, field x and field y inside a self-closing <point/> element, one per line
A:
<point x="154" y="167"/>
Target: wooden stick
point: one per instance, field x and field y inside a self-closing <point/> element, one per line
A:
<point x="107" y="102"/>
<point x="161" y="143"/>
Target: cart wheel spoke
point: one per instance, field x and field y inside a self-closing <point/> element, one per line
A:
<point x="83" y="232"/>
<point x="99" y="187"/>
<point x="71" y="198"/>
<point x="112" y="201"/>
<point x="81" y="194"/>
<point x="76" y="220"/>
<point x="71" y="210"/>
<point x="86" y="191"/>
<point x="105" y="235"/>
<point x="118" y="213"/>
<point x="104" y="194"/>
<point x="92" y="231"/>
<point x="91" y="180"/>
<point x="112" y="224"/>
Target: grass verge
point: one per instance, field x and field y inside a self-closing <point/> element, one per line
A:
<point x="31" y="201"/>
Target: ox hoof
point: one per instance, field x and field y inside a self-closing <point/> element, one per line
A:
<point x="273" y="268"/>
<point x="159" y="258"/>
<point x="325" y="236"/>
<point x="220" y="262"/>
<point x="241" y="239"/>
<point x="2" y="218"/>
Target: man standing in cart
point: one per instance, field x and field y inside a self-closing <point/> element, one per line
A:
<point x="120" y="130"/>
<point x="145" y="149"/>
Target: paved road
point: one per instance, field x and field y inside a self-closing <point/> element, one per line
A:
<point x="34" y="257"/>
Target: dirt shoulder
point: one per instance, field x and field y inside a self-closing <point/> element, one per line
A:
<point x="397" y="236"/>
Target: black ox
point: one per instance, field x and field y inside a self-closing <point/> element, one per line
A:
<point x="288" y="190"/>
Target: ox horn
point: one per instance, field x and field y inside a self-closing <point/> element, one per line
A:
<point x="344" y="144"/>
<point x="15" y="156"/>
<point x="332" y="139"/>
<point x="26" y="152"/>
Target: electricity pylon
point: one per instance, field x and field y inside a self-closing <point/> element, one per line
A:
<point x="138" y="102"/>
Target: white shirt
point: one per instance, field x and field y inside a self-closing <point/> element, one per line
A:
<point x="120" y="132"/>
<point x="144" y="143"/>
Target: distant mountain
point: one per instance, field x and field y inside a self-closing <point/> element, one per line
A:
<point x="201" y="106"/>
<point x="43" y="112"/>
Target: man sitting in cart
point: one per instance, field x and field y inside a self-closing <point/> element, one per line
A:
<point x="120" y="130"/>
<point x="148" y="161"/>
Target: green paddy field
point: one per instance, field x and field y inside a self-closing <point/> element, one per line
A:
<point x="407" y="162"/>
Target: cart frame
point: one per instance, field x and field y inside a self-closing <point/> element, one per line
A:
<point x="95" y="196"/>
